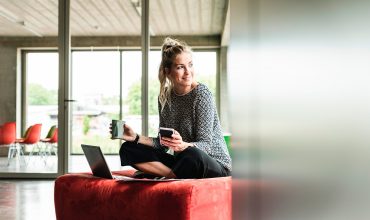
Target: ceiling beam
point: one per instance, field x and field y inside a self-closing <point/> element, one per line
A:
<point x="225" y="36"/>
<point x="211" y="41"/>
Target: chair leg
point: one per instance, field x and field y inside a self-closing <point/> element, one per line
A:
<point x="30" y="155"/>
<point x="16" y="150"/>
<point x="32" y="150"/>
<point x="21" y="154"/>
<point x="10" y="153"/>
<point x="55" y="149"/>
<point x="45" y="152"/>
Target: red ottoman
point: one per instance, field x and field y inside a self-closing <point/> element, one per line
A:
<point x="83" y="196"/>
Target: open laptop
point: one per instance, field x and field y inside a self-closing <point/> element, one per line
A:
<point x="98" y="164"/>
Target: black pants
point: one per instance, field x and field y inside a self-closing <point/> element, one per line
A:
<point x="188" y="164"/>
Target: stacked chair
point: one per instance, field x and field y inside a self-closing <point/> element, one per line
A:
<point x="51" y="141"/>
<point x="31" y="138"/>
<point x="8" y="139"/>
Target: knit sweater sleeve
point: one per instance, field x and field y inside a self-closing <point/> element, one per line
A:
<point x="204" y="121"/>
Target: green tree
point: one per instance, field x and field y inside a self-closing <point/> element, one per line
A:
<point x="153" y="96"/>
<point x="134" y="98"/>
<point x="39" y="95"/>
<point x="86" y="124"/>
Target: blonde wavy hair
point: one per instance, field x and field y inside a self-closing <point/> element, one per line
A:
<point x="170" y="49"/>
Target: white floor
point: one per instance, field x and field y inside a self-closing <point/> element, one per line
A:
<point x="38" y="164"/>
<point x="34" y="199"/>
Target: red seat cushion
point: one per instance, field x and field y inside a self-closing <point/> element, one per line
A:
<point x="82" y="196"/>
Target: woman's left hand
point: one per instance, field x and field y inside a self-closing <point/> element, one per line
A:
<point x="175" y="142"/>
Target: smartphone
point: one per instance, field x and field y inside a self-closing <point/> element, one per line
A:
<point x="166" y="132"/>
<point x="117" y="129"/>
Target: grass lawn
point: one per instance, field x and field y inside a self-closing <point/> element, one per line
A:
<point x="107" y="145"/>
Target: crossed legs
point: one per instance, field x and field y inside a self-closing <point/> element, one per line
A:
<point x="191" y="163"/>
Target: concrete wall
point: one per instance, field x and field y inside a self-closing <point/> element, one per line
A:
<point x="8" y="82"/>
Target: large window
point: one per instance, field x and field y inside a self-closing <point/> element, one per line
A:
<point x="131" y="89"/>
<point x="106" y="85"/>
<point x="205" y="65"/>
<point x="42" y="89"/>
<point x="41" y="108"/>
<point x="96" y="89"/>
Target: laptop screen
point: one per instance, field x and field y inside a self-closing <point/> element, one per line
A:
<point x="96" y="160"/>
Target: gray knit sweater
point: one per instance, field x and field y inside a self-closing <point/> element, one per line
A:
<point x="195" y="117"/>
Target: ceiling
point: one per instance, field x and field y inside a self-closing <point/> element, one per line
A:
<point x="114" y="17"/>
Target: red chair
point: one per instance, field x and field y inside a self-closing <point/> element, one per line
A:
<point x="32" y="138"/>
<point x="7" y="139"/>
<point x="24" y="135"/>
<point x="8" y="133"/>
<point x="50" y="134"/>
<point x="51" y="140"/>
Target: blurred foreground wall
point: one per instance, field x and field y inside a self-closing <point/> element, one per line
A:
<point x="299" y="86"/>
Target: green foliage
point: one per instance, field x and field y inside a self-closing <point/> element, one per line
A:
<point x="153" y="96"/>
<point x="86" y="124"/>
<point x="112" y="115"/>
<point x="134" y="98"/>
<point x="39" y="95"/>
<point x="108" y="146"/>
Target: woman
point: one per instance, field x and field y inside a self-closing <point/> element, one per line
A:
<point x="197" y="145"/>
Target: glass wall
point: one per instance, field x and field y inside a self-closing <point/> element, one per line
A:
<point x="28" y="86"/>
<point x="96" y="89"/>
<point x="103" y="91"/>
<point x="98" y="75"/>
<point x="153" y="82"/>
<point x="131" y="89"/>
<point x="106" y="85"/>
<point x="41" y="108"/>
<point x="106" y="69"/>
<point x="205" y="65"/>
<point x="42" y="89"/>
